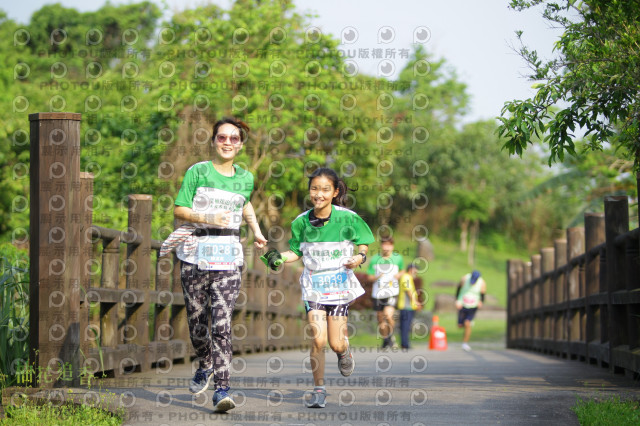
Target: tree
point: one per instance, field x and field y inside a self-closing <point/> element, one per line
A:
<point x="591" y="84"/>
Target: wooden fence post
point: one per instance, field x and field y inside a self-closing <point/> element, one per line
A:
<point x="632" y="265"/>
<point x="595" y="305"/>
<point x="574" y="291"/>
<point x="138" y="272"/>
<point x="162" y="329"/>
<point x="547" y="258"/>
<point x="54" y="249"/>
<point x="616" y="217"/>
<point x="558" y="299"/>
<point x="84" y="209"/>
<point x="525" y="279"/>
<point x="512" y="279"/>
<point x="178" y="314"/>
<point x="536" y="271"/>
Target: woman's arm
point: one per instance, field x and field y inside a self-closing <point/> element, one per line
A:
<point x="221" y="220"/>
<point x="249" y="215"/>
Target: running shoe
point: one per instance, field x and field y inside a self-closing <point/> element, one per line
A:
<point x="318" y="397"/>
<point x="466" y="347"/>
<point x="392" y="342"/>
<point x="346" y="364"/>
<point x="222" y="401"/>
<point x="385" y="343"/>
<point x="200" y="381"/>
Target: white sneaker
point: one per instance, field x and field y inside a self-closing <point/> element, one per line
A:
<point x="466" y="347"/>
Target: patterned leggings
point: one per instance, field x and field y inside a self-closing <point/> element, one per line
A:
<point x="211" y="295"/>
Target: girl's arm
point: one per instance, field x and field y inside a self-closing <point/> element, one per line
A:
<point x="291" y="256"/>
<point x="357" y="260"/>
<point x="221" y="220"/>
<point x="249" y="215"/>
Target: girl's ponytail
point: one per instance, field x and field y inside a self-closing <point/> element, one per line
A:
<point x="341" y="198"/>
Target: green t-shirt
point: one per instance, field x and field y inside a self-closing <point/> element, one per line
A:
<point x="324" y="251"/>
<point x="387" y="285"/>
<point x="206" y="191"/>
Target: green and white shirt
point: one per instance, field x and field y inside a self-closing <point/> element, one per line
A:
<point x="324" y="251"/>
<point x="470" y="293"/>
<point x="207" y="191"/>
<point x="387" y="285"/>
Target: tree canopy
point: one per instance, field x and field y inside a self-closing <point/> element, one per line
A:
<point x="149" y="91"/>
<point x="591" y="83"/>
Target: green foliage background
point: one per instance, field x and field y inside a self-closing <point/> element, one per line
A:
<point x="149" y="91"/>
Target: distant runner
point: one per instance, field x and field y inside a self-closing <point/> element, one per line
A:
<point x="385" y="270"/>
<point x="408" y="304"/>
<point x="469" y="297"/>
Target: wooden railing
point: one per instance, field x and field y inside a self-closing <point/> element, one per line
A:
<point x="581" y="298"/>
<point x="117" y="313"/>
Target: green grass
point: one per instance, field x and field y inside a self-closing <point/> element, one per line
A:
<point x="485" y="330"/>
<point x="608" y="411"/>
<point x="62" y="415"/>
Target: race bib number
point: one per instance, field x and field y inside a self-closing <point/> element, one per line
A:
<point x="218" y="255"/>
<point x="330" y="283"/>
<point x="470" y="300"/>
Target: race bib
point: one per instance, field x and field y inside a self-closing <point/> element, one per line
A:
<point x="470" y="300"/>
<point x="335" y="282"/>
<point x="219" y="253"/>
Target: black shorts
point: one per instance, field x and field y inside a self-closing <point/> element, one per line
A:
<point x="465" y="314"/>
<point x="379" y="304"/>
<point x="331" y="310"/>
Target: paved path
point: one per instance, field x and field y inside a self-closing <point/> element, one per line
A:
<point x="485" y="386"/>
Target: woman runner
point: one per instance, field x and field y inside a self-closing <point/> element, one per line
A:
<point x="214" y="197"/>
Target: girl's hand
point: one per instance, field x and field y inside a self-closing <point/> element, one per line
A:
<point x="260" y="241"/>
<point x="353" y="262"/>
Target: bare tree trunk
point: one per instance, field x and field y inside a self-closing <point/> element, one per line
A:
<point x="464" y="233"/>
<point x="475" y="230"/>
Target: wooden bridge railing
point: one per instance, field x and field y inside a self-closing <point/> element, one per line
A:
<point x="115" y="313"/>
<point x="581" y="298"/>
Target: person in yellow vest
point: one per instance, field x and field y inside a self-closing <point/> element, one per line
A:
<point x="469" y="297"/>
<point x="408" y="304"/>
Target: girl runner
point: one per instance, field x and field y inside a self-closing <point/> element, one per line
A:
<point x="214" y="197"/>
<point x="324" y="237"/>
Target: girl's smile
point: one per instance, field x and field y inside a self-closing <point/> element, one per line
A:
<point x="322" y="193"/>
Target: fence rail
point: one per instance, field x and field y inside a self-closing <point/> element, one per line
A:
<point x="116" y="313"/>
<point x="580" y="299"/>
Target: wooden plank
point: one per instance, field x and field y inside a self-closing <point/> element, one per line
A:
<point x="116" y="295"/>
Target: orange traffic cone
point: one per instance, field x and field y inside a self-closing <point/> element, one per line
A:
<point x="438" y="339"/>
